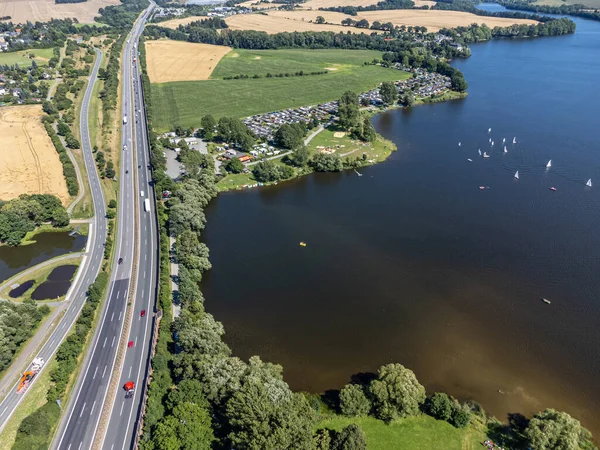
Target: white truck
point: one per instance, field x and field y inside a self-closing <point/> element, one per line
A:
<point x="124" y="120"/>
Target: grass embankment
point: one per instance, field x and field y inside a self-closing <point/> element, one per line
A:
<point x="39" y="276"/>
<point x="41" y="57"/>
<point x="413" y="433"/>
<point x="184" y="103"/>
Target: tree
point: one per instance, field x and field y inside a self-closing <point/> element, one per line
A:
<point x="234" y="165"/>
<point x="439" y="406"/>
<point x="322" y="440"/>
<point x="458" y="83"/>
<point x="367" y="132"/>
<point x="408" y="100"/>
<point x="320" y="19"/>
<point x="396" y="392"/>
<point x="267" y="171"/>
<point x="60" y="217"/>
<point x="461" y="417"/>
<point x="353" y="401"/>
<point x="290" y="135"/>
<point x="553" y="430"/>
<point x="324" y="162"/>
<point x="348" y="112"/>
<point x="363" y="23"/>
<point x="112" y="203"/>
<point x="389" y="93"/>
<point x="208" y="124"/>
<point x="350" y="438"/>
<point x="300" y="156"/>
<point x="188" y="428"/>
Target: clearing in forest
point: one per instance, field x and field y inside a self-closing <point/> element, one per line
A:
<point x="29" y="163"/>
<point x="182" y="61"/>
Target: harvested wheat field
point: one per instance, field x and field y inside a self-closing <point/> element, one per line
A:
<point x="255" y="4"/>
<point x="44" y="10"/>
<point x="174" y="23"/>
<point x="182" y="61"/>
<point x="29" y="163"/>
<point x="433" y="20"/>
<point x="316" y="4"/>
<point x="277" y="24"/>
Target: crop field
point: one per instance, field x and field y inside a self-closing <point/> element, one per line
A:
<point x="41" y="57"/>
<point x="182" y="61"/>
<point x="261" y="62"/>
<point x="173" y="24"/>
<point x="29" y="163"/>
<point x="43" y="10"/>
<point x="277" y="24"/>
<point x="316" y="4"/>
<point x="184" y="103"/>
<point x="258" y="5"/>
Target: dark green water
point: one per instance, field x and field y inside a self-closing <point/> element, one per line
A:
<point x="412" y="263"/>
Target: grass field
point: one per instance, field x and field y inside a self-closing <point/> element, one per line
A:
<point x="41" y="57"/>
<point x="261" y="62"/>
<point x="184" y="103"/>
<point x="413" y="433"/>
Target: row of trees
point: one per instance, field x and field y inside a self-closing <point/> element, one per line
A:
<point x="383" y="5"/>
<point x="18" y="321"/>
<point x="68" y="168"/>
<point x="110" y="76"/>
<point x="565" y="9"/>
<point x="27" y="212"/>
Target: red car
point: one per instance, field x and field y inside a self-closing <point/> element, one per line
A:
<point x="143" y="313"/>
<point x="130" y="344"/>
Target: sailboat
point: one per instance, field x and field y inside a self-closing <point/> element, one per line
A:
<point x="479" y="152"/>
<point x="485" y="155"/>
<point x="589" y="183"/>
<point x="469" y="159"/>
<point x="490" y="140"/>
<point x="492" y="143"/>
<point x="503" y="140"/>
<point x="517" y="174"/>
<point x="514" y="140"/>
<point x="489" y="130"/>
<point x="505" y="151"/>
<point x="459" y="144"/>
<point x="549" y="164"/>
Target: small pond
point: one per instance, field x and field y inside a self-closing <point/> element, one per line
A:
<point x="57" y="283"/>
<point x="21" y="289"/>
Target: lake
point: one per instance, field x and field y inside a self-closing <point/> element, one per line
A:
<point x="413" y="263"/>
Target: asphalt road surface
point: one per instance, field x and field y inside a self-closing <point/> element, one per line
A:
<point x="80" y="426"/>
<point x="92" y="258"/>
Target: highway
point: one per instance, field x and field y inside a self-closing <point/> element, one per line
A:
<point x="91" y="262"/>
<point x="82" y="426"/>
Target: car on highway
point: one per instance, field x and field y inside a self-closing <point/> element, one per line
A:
<point x="143" y="313"/>
<point x="129" y="389"/>
<point x="130" y="344"/>
<point x="120" y="260"/>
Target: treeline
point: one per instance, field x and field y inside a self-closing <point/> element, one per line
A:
<point x="572" y="10"/>
<point x="478" y="33"/>
<point x="110" y="76"/>
<point x="69" y="1"/>
<point x="383" y="5"/>
<point x="18" y="321"/>
<point x="35" y="431"/>
<point x="68" y="169"/>
<point x="27" y="212"/>
<point x="123" y="15"/>
<point x="214" y="23"/>
<point x="300" y="73"/>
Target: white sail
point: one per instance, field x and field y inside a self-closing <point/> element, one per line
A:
<point x="514" y="140"/>
<point x="549" y="164"/>
<point x="489" y="130"/>
<point x="485" y="155"/>
<point x="459" y="144"/>
<point x="517" y="174"/>
<point x="589" y="183"/>
<point x="505" y="151"/>
<point x="479" y="152"/>
<point x="503" y="140"/>
<point x="492" y="143"/>
<point x="490" y="140"/>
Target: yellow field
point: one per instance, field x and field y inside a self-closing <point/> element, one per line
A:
<point x="174" y="23"/>
<point x="44" y="10"/>
<point x="316" y="4"/>
<point x="182" y="61"/>
<point x="255" y="4"/>
<point x="290" y="21"/>
<point x="29" y="163"/>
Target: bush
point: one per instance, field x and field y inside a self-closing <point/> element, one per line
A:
<point x="353" y="401"/>
<point x="460" y="417"/>
<point x="35" y="430"/>
<point x="439" y="406"/>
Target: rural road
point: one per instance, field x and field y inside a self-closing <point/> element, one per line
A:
<point x="90" y="265"/>
<point x="98" y="414"/>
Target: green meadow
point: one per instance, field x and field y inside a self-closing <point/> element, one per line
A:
<point x="41" y="57"/>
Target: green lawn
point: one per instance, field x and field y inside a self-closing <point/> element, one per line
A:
<point x="41" y="56"/>
<point x="345" y="146"/>
<point x="261" y="62"/>
<point x="413" y="433"/>
<point x="184" y="103"/>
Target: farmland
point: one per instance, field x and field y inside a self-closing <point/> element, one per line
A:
<point x="184" y="103"/>
<point x="182" y="61"/>
<point x="22" y="11"/>
<point x="29" y="163"/>
<point x="41" y="57"/>
<point x="278" y="24"/>
<point x="261" y="62"/>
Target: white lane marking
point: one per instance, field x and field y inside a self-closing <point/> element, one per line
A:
<point x="4" y="411"/>
<point x="129" y="376"/>
<point x="92" y="410"/>
<point x="122" y="404"/>
<point x="104" y="371"/>
<point x="142" y="293"/>
<point x="69" y="447"/>
<point x="112" y="317"/>
<point x="120" y="315"/>
<point x="94" y="377"/>
<point x="104" y="345"/>
<point x="118" y="295"/>
<point x="113" y="342"/>
<point x="144" y="274"/>
<point x="82" y="409"/>
<point x="146" y="257"/>
<point x="79" y="445"/>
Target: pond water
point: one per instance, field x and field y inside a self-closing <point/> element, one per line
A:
<point x="48" y="245"/>
<point x="21" y="289"/>
<point x="413" y="263"/>
<point x="57" y="283"/>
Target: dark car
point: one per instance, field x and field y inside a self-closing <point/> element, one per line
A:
<point x="120" y="260"/>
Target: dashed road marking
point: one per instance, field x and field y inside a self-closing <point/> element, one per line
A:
<point x="82" y="409"/>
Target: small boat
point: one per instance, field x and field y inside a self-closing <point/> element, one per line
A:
<point x="589" y="183"/>
<point x="492" y="143"/>
<point x="546" y="301"/>
<point x="481" y="188"/>
<point x="469" y="159"/>
<point x="553" y="189"/>
<point x="514" y="140"/>
<point x="479" y="152"/>
<point x="503" y="140"/>
<point x="517" y="174"/>
<point x="459" y="144"/>
<point x="549" y="164"/>
<point x="490" y="140"/>
<point x="358" y="173"/>
<point x="485" y="155"/>
<point x="505" y="150"/>
<point x="489" y="130"/>
<point x="302" y="244"/>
